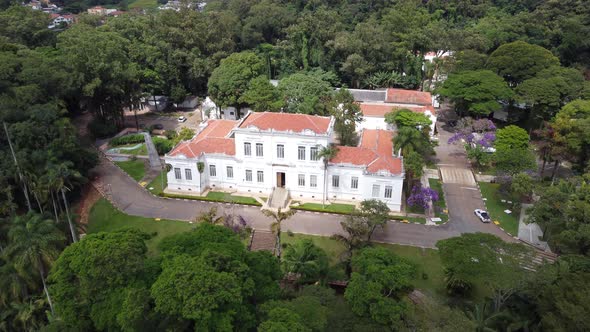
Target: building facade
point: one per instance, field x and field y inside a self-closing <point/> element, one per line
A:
<point x="264" y="151"/>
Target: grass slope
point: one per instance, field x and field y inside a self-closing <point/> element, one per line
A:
<point x="106" y="218"/>
<point x="135" y="168"/>
<point x="496" y="208"/>
<point x="144" y="4"/>
<point x="331" y="208"/>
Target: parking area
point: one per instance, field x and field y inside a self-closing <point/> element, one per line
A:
<point x="168" y="119"/>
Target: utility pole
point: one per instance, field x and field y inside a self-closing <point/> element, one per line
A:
<point x="20" y="174"/>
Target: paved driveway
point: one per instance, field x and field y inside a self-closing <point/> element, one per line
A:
<point x="461" y="192"/>
<point x="134" y="200"/>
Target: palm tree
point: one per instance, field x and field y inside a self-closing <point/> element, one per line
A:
<point x="327" y="153"/>
<point x="307" y="260"/>
<point x="480" y="316"/>
<point x="210" y="217"/>
<point x="34" y="243"/>
<point x="410" y="139"/>
<point x="275" y="227"/>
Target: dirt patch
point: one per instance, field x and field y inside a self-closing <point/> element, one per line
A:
<point x="88" y="197"/>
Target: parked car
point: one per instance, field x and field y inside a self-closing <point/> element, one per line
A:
<point x="158" y="126"/>
<point x="482" y="215"/>
<point x="181" y="119"/>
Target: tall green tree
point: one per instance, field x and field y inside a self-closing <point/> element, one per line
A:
<point x="262" y="96"/>
<point x="306" y="93"/>
<point x="347" y="115"/>
<point x="519" y="61"/>
<point x="35" y="244"/>
<point x="478" y="92"/>
<point x="379" y="280"/>
<point x="278" y="218"/>
<point x="307" y="260"/>
<point x="230" y="81"/>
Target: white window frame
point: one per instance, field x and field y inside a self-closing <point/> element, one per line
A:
<point x="260" y="176"/>
<point x="375" y="190"/>
<point x="247" y="149"/>
<point x="313" y="181"/>
<point x="248" y="175"/>
<point x="177" y="173"/>
<point x="388" y="192"/>
<point x="354" y="182"/>
<point x="281" y="151"/>
<point x="188" y="174"/>
<point x="259" y="150"/>
<point x="314" y="153"/>
<point x="212" y="171"/>
<point x="230" y="172"/>
<point x="301" y="180"/>
<point x="335" y="181"/>
<point x="300" y="155"/>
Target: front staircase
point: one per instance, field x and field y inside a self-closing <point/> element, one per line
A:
<point x="278" y="198"/>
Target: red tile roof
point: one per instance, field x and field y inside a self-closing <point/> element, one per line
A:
<point x="379" y="110"/>
<point x="287" y="122"/>
<point x="375" y="152"/>
<point x="212" y="139"/>
<point x="402" y="96"/>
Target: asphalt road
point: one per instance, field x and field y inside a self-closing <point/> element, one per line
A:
<point x="462" y="197"/>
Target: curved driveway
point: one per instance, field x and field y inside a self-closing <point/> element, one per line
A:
<point x="461" y="199"/>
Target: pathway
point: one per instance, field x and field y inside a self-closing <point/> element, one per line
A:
<point x="132" y="199"/>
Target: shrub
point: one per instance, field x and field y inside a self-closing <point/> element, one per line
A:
<point x="162" y="145"/>
<point x="170" y="134"/>
<point x="101" y="129"/>
<point x="127" y="139"/>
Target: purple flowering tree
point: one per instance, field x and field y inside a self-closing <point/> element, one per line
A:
<point x="421" y="197"/>
<point x="481" y="132"/>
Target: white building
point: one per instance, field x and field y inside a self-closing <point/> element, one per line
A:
<point x="264" y="151"/>
<point x="375" y="104"/>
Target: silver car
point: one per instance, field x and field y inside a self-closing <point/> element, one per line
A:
<point x="482" y="215"/>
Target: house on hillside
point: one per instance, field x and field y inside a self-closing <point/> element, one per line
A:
<point x="265" y="153"/>
<point x="62" y="20"/>
<point x="97" y="10"/>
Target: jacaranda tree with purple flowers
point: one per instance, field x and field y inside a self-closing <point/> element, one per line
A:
<point x="421" y="197"/>
<point x="478" y="136"/>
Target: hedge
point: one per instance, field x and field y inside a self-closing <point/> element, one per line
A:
<point x="127" y="139"/>
<point x="162" y="145"/>
<point x="204" y="198"/>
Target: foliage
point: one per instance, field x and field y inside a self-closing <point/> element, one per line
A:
<point x="347" y="114"/>
<point x="306" y="260"/>
<point x="421" y="197"/>
<point x="480" y="259"/>
<point x="521" y="186"/>
<point x="278" y="218"/>
<point x="306" y="93"/>
<point x="511" y="137"/>
<point x="479" y="155"/>
<point x="378" y="281"/>
<point x="514" y="161"/>
<point x="561" y="214"/>
<point x="478" y="92"/>
<point x="571" y="131"/>
<point x="101" y="129"/>
<point x="519" y="61"/>
<point x="91" y="278"/>
<point x="127" y="139"/>
<point x="262" y="96"/>
<point x="163" y="145"/>
<point x="230" y="81"/>
<point x="406" y="118"/>
<point x="282" y="319"/>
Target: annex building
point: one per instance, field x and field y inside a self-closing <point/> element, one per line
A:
<point x="268" y="152"/>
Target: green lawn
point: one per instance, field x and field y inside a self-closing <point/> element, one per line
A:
<point x="226" y="197"/>
<point x="144" y="4"/>
<point x="430" y="276"/>
<point x="140" y="151"/>
<point x="509" y="222"/>
<point x="440" y="205"/>
<point x="157" y="183"/>
<point x="105" y="218"/>
<point x="135" y="168"/>
<point x="330" y="208"/>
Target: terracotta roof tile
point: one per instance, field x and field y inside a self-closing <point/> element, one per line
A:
<point x="380" y="109"/>
<point x="212" y="139"/>
<point x="375" y="152"/>
<point x="402" y="96"/>
<point x="287" y="122"/>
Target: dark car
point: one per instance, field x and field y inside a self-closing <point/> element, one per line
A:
<point x="158" y="126"/>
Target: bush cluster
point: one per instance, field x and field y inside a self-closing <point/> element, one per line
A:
<point x="127" y="139"/>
